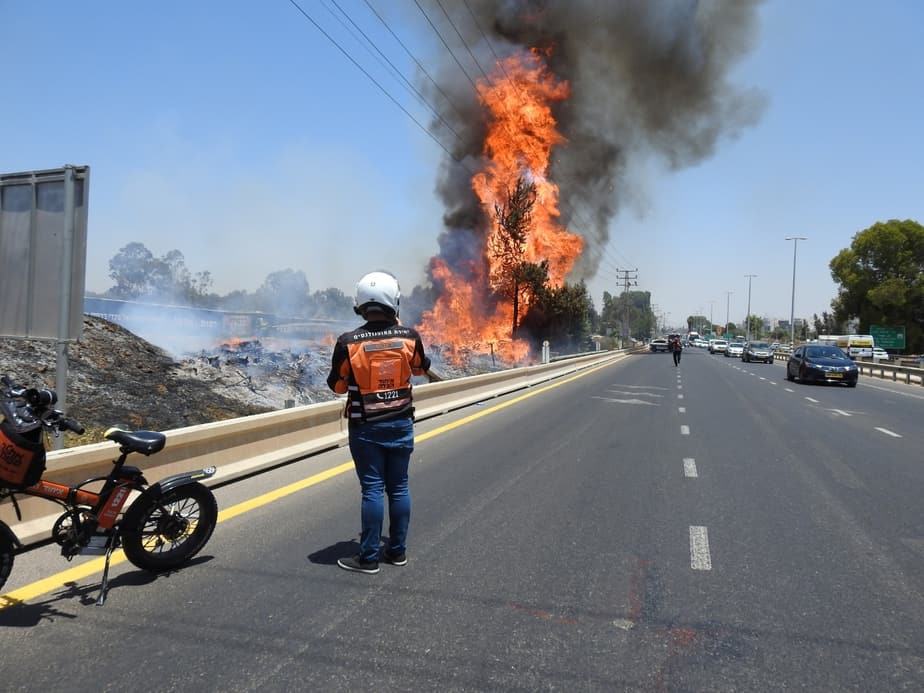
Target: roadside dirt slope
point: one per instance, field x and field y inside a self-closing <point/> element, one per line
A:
<point x="115" y="378"/>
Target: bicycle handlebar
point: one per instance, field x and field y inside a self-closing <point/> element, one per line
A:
<point x="35" y="405"/>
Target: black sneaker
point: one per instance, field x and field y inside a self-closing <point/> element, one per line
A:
<point x="357" y="566"/>
<point x="394" y="558"/>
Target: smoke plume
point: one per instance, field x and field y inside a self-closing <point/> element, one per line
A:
<point x="647" y="78"/>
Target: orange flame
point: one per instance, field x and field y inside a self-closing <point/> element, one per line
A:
<point x="236" y="342"/>
<point x="521" y="134"/>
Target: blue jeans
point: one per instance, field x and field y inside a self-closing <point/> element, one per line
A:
<point x="381" y="455"/>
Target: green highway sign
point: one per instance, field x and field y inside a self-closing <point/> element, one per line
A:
<point x="888" y="337"/>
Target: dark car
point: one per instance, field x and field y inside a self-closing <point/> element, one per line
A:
<point x="757" y="351"/>
<point x="821" y="363"/>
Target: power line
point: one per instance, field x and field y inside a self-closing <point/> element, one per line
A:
<point x="458" y="33"/>
<point x="487" y="41"/>
<point x="394" y="69"/>
<point x="381" y="88"/>
<point x="414" y="58"/>
<point x="440" y="36"/>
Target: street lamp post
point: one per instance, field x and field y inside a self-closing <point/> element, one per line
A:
<point x="747" y="318"/>
<point x="792" y="305"/>
<point x="711" y="324"/>
<point x="727" y="298"/>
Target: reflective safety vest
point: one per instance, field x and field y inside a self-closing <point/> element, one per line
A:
<point x="377" y="372"/>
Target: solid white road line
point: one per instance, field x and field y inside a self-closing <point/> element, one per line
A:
<point x="893" y="391"/>
<point x="699" y="549"/>
<point x="888" y="432"/>
<point x="689" y="467"/>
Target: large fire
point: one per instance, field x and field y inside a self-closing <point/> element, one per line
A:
<point x="469" y="316"/>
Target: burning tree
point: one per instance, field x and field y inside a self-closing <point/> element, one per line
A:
<point x="511" y="274"/>
<point x="524" y="242"/>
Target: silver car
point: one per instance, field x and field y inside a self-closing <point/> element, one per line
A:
<point x="757" y="351"/>
<point x="734" y="349"/>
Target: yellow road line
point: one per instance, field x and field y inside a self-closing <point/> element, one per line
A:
<point x="59" y="580"/>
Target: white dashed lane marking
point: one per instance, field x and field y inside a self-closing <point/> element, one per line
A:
<point x="814" y="401"/>
<point x="682" y="410"/>
<point x="684" y="430"/>
<point x="699" y="549"/>
<point x="689" y="467"/>
<point x="888" y="432"/>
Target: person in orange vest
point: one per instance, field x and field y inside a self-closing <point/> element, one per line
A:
<point x="373" y="365"/>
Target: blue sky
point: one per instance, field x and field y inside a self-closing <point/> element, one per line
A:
<point x="238" y="134"/>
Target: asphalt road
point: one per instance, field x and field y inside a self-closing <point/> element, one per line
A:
<point x="643" y="527"/>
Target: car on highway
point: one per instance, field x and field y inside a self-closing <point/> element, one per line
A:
<point x="757" y="351"/>
<point x="734" y="349"/>
<point x="821" y="363"/>
<point x="717" y="346"/>
<point x="880" y="354"/>
<point x="658" y="344"/>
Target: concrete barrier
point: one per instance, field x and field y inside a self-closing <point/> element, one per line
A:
<point x="244" y="446"/>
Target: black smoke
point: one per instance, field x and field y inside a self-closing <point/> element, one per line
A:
<point x="648" y="78"/>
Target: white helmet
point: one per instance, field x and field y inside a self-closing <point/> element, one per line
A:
<point x="377" y="288"/>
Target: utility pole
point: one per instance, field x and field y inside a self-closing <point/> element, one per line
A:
<point x="627" y="281"/>
<point x="711" y="324"/>
<point x="747" y="318"/>
<point x="792" y="305"/>
<point x="727" y="298"/>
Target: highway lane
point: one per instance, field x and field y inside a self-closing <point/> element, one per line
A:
<point x="811" y="514"/>
<point x="639" y="527"/>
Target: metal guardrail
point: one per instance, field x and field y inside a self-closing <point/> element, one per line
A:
<point x="884" y="369"/>
<point x="240" y="447"/>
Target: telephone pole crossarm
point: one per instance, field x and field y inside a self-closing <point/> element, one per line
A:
<point x="629" y="278"/>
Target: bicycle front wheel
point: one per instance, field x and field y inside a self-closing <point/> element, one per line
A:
<point x="160" y="534"/>
<point x="7" y="554"/>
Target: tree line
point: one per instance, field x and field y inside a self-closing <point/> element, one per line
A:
<point x="880" y="280"/>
